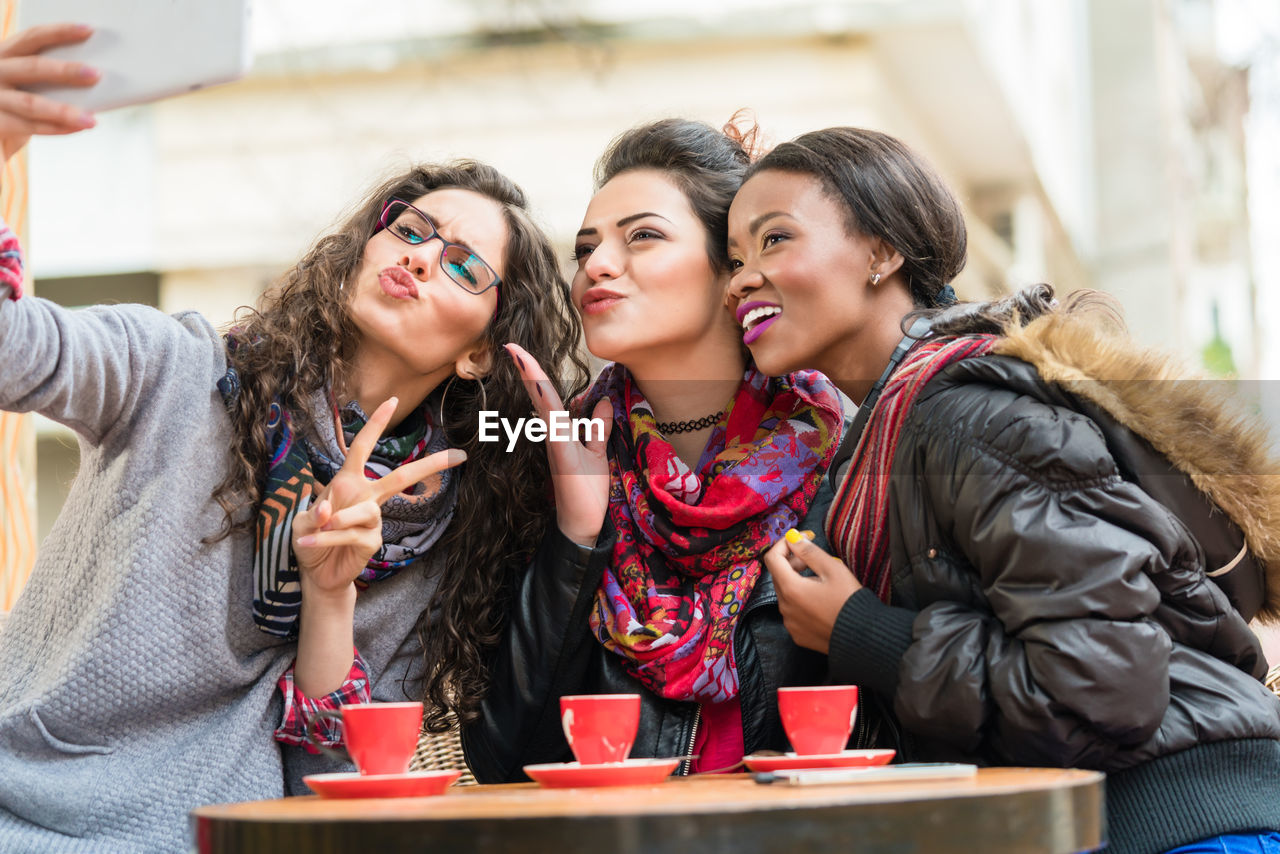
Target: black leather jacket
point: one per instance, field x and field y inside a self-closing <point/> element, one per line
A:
<point x="1048" y="610"/>
<point x="548" y="651"/>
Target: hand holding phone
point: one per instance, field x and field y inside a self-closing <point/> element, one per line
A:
<point x="22" y="113"/>
<point x="145" y="49"/>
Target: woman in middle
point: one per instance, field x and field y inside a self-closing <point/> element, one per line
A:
<point x="651" y="580"/>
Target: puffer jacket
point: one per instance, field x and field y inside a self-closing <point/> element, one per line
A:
<point x="548" y="651"/>
<point x="1054" y="513"/>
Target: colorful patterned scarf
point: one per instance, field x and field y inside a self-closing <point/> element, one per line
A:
<point x="858" y="520"/>
<point x="411" y="522"/>
<point x="689" y="543"/>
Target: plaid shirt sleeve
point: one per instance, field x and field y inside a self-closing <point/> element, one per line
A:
<point x="10" y="263"/>
<point x="298" y="707"/>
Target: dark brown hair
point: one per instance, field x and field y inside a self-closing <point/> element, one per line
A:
<point x="706" y="165"/>
<point x="890" y="192"/>
<point x="302" y="339"/>
<point x="886" y="191"/>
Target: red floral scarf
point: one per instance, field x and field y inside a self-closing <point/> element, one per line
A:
<point x="689" y="542"/>
<point x="858" y="520"/>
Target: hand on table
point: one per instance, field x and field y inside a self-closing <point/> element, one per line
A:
<point x="809" y="604"/>
<point x="335" y="537"/>
<point x="23" y="114"/>
<point x="579" y="472"/>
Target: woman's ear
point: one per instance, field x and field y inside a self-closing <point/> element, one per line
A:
<point x="475" y="363"/>
<point x="885" y="260"/>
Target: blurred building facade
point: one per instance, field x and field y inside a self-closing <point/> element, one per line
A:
<point x="1094" y="143"/>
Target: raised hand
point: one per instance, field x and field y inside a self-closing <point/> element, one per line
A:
<point x="579" y="472"/>
<point x="342" y="529"/>
<point x="809" y="604"/>
<point x="23" y="113"/>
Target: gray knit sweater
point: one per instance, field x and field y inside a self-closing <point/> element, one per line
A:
<point x="136" y="684"/>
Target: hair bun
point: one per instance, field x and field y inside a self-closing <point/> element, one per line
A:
<point x="744" y="130"/>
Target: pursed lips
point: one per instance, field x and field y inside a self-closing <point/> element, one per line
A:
<point x="398" y="283"/>
<point x="597" y="300"/>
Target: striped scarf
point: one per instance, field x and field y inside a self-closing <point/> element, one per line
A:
<point x="299" y="468"/>
<point x="858" y="520"/>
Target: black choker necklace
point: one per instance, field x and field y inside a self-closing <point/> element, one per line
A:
<point x="666" y="428"/>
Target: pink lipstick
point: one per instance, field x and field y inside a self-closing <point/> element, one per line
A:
<point x="756" y="331"/>
<point x="599" y="300"/>
<point x="397" y="283"/>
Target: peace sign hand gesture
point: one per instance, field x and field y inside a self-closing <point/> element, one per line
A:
<point x="335" y="537"/>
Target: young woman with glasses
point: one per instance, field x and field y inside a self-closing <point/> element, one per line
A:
<point x="651" y="580"/>
<point x="254" y="506"/>
<point x="1048" y="543"/>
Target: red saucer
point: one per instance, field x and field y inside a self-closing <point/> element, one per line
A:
<point x="843" y="759"/>
<point x="415" y="784"/>
<point x="631" y="772"/>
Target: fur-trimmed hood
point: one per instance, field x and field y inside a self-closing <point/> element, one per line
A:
<point x="1195" y="423"/>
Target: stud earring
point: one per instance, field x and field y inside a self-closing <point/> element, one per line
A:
<point x="875" y="279"/>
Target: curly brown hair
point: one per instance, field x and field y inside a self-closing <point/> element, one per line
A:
<point x="302" y="339"/>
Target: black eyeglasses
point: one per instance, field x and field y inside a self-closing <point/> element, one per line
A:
<point x="467" y="269"/>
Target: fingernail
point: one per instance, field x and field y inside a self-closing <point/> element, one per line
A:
<point x="86" y="120"/>
<point x="456" y="456"/>
<point x="87" y="72"/>
<point x="793" y="536"/>
<point x="83" y="30"/>
<point x="809" y="535"/>
<point x="512" y="353"/>
<point x="308" y="540"/>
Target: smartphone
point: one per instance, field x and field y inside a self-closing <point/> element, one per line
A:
<point x="146" y="49"/>
<point x="877" y="774"/>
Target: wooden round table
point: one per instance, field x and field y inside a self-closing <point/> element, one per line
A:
<point x="1012" y="810"/>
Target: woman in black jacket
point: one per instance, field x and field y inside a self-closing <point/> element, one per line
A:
<point x="1056" y="545"/>
<point x="651" y="581"/>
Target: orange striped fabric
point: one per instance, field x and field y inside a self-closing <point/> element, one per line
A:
<point x="17" y="436"/>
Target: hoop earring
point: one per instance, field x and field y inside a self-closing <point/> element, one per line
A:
<point x="484" y="396"/>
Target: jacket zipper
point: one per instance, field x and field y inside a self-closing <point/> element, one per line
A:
<point x="687" y="764"/>
<point x="860" y="741"/>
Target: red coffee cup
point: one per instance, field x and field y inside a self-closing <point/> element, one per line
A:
<point x="818" y="719"/>
<point x="600" y="727"/>
<point x="380" y="737"/>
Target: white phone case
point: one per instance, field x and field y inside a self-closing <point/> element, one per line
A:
<point x="146" y="49"/>
<point x="877" y="774"/>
